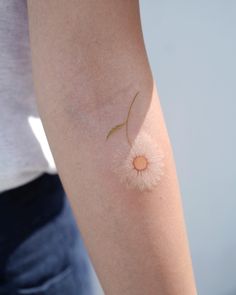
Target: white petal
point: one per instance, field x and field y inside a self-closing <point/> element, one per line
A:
<point x="122" y="163"/>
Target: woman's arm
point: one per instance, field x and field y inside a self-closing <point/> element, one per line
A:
<point x="91" y="73"/>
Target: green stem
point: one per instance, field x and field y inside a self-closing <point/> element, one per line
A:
<point x="126" y="122"/>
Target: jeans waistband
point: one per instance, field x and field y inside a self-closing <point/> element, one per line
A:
<point x="28" y="207"/>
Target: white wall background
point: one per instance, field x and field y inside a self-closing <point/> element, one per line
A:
<point x="192" y="47"/>
<point x="192" y="51"/>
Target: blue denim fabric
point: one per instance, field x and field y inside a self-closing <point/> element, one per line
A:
<point x="41" y="251"/>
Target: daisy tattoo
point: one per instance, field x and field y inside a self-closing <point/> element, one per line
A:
<point x="143" y="166"/>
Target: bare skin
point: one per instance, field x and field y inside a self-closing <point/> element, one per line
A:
<point x="89" y="61"/>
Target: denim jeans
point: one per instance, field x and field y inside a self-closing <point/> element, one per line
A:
<point x="41" y="250"/>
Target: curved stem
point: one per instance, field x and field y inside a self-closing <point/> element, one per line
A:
<point x="126" y="122"/>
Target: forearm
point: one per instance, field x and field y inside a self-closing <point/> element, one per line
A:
<point x="136" y="238"/>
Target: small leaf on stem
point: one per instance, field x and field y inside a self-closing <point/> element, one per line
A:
<point x="117" y="127"/>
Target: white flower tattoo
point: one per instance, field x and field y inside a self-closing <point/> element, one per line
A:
<point x="142" y="167"/>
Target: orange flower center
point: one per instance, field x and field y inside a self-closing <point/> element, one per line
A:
<point x="140" y="163"/>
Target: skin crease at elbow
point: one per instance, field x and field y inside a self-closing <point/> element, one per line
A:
<point x="142" y="168"/>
